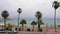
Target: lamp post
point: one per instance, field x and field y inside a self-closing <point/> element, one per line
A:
<point x="55" y="5"/>
<point x="19" y="11"/>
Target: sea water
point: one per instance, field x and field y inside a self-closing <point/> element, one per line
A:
<point x="29" y="21"/>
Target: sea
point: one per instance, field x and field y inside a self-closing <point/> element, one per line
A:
<point x="48" y="21"/>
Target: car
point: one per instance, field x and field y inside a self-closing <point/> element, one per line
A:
<point x="2" y="30"/>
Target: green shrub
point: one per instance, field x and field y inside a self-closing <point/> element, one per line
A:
<point x="15" y="28"/>
<point x="18" y="29"/>
<point x="7" y="28"/>
<point x="40" y="30"/>
<point x="28" y="29"/>
<point x="32" y="29"/>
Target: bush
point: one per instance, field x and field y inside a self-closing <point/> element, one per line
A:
<point x="15" y="28"/>
<point x="32" y="29"/>
<point x="28" y="29"/>
<point x="7" y="28"/>
<point x="40" y="30"/>
<point x="18" y="29"/>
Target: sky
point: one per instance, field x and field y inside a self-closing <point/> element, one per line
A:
<point x="29" y="8"/>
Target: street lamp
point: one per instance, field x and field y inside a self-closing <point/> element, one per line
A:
<point x="19" y="11"/>
<point x="55" y="5"/>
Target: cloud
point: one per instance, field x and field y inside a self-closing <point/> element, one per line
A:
<point x="29" y="7"/>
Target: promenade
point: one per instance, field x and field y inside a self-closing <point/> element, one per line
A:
<point x="35" y="33"/>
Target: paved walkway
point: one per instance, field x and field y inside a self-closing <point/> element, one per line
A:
<point x="35" y="33"/>
<point x="39" y="33"/>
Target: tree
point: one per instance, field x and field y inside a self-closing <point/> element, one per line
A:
<point x="5" y="14"/>
<point x="23" y="22"/>
<point x="38" y="16"/>
<point x="33" y="23"/>
<point x="40" y="22"/>
<point x="55" y="5"/>
<point x="19" y="11"/>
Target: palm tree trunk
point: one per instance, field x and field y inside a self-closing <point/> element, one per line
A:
<point x="18" y="21"/>
<point x="38" y="25"/>
<point x="22" y="27"/>
<point x="5" y="23"/>
<point x="55" y="20"/>
<point x="33" y="27"/>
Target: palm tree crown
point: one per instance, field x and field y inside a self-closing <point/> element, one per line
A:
<point x="23" y="21"/>
<point x="38" y="15"/>
<point x="40" y="22"/>
<point x="5" y="14"/>
<point x="19" y="10"/>
<point x="33" y="23"/>
<point x="56" y="4"/>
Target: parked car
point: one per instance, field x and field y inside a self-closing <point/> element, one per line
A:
<point x="2" y="30"/>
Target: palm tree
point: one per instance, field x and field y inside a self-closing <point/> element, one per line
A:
<point x="19" y="11"/>
<point x="38" y="16"/>
<point x="33" y="23"/>
<point x="23" y="22"/>
<point x="55" y="5"/>
<point x="5" y="14"/>
<point x="40" y="22"/>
